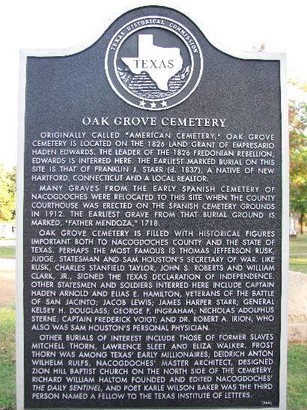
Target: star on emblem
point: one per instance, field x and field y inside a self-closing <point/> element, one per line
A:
<point x="153" y="105"/>
<point x="142" y="103"/>
<point x="163" y="104"/>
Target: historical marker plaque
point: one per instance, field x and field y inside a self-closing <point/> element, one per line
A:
<point x="152" y="240"/>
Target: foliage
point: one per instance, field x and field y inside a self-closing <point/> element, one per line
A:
<point x="7" y="194"/>
<point x="302" y="85"/>
<point x="298" y="159"/>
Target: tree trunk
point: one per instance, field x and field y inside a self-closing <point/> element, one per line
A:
<point x="302" y="218"/>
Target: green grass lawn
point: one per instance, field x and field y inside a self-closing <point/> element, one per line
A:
<point x="7" y="358"/>
<point x="298" y="254"/>
<point x="7" y="251"/>
<point x="297" y="377"/>
<point x="297" y="354"/>
<point x="297" y="367"/>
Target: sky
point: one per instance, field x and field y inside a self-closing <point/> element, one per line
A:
<point x="231" y="25"/>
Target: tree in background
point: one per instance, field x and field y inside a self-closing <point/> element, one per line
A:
<point x="298" y="159"/>
<point x="7" y="194"/>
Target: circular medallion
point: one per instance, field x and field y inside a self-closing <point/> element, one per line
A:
<point x="153" y="63"/>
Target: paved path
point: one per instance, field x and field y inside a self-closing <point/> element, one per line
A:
<point x="7" y="281"/>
